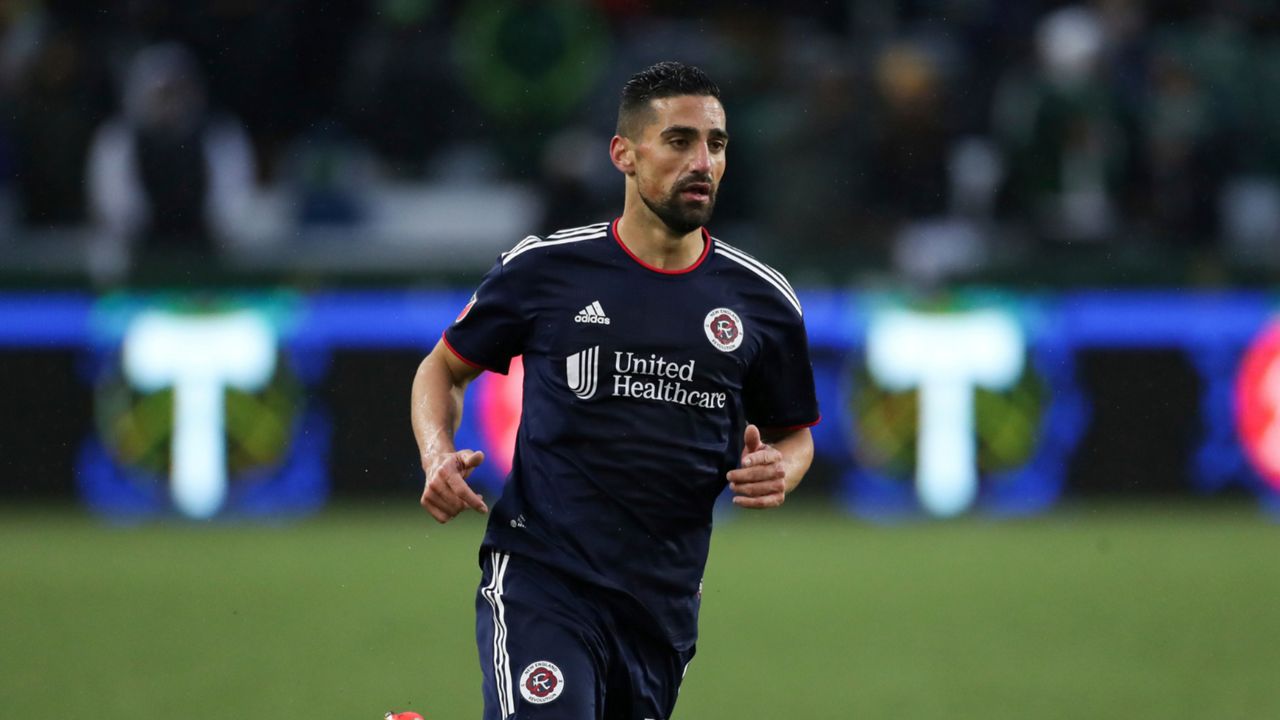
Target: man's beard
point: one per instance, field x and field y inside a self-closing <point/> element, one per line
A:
<point x="678" y="215"/>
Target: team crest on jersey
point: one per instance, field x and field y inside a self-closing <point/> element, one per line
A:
<point x="724" y="329"/>
<point x="541" y="682"/>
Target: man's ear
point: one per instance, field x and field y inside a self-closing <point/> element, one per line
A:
<point x="623" y="155"/>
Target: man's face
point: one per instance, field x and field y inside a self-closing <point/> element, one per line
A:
<point x="680" y="158"/>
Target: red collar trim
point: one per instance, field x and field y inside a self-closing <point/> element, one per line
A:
<point x="706" y="250"/>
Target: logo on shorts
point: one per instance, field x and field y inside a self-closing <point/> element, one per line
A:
<point x="541" y="682"/>
<point x="724" y="329"/>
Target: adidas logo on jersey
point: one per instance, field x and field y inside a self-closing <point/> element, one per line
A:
<point x="593" y="314"/>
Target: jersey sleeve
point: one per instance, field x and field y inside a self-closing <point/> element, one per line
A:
<point x="779" y="392"/>
<point x="492" y="328"/>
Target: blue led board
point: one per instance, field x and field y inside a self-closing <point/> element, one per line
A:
<point x="204" y="402"/>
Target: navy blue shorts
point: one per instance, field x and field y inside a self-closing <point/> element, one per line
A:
<point x="552" y="646"/>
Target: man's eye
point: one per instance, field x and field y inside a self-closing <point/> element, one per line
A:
<point x="679" y="142"/>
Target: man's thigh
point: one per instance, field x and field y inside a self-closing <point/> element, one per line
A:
<point x="539" y="657"/>
<point x="645" y="675"/>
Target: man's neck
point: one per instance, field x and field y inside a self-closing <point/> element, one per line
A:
<point x="649" y="238"/>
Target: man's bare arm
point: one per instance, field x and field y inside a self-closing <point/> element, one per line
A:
<point x="435" y="412"/>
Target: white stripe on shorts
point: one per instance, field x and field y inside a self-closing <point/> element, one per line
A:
<point x="501" y="661"/>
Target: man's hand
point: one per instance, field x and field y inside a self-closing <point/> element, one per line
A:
<point x="447" y="493"/>
<point x="760" y="480"/>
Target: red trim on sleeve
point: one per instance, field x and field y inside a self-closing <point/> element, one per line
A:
<point x="445" y="339"/>
<point x="790" y="428"/>
<point x="706" y="250"/>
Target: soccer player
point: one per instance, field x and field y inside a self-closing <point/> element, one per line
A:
<point x="660" y="364"/>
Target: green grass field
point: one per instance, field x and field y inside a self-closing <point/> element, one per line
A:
<point x="1146" y="612"/>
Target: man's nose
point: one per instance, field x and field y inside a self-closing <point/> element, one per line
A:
<point x="701" y="162"/>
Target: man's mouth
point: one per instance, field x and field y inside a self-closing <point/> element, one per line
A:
<point x="700" y="192"/>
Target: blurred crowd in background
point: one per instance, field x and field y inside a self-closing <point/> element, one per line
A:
<point x="932" y="140"/>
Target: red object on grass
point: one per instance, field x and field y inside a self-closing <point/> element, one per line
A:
<point x="404" y="716"/>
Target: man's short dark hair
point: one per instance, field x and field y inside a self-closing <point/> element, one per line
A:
<point x="665" y="79"/>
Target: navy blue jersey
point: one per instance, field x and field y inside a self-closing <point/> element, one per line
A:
<point x="638" y="386"/>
